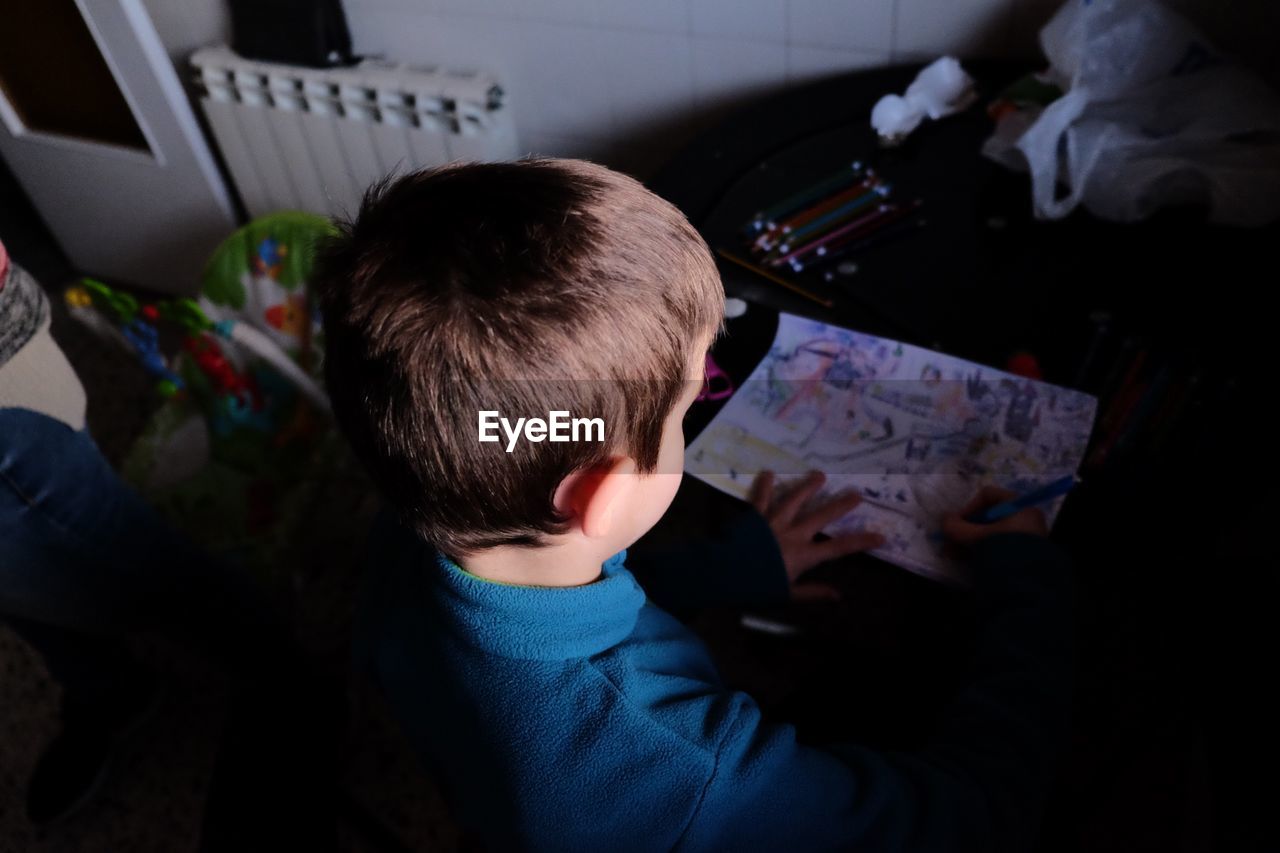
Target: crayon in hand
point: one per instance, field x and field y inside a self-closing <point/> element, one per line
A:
<point x="1044" y="494"/>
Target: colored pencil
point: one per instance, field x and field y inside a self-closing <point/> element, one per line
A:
<point x="1044" y="494"/>
<point x="1101" y="321"/>
<point x="862" y="222"/>
<point x="877" y="238"/>
<point x="833" y="218"/>
<point x="890" y="217"/>
<point x="830" y="203"/>
<point x="745" y="264"/>
<point x="794" y="202"/>
<point x="1144" y="411"/>
<point x="1171" y="418"/>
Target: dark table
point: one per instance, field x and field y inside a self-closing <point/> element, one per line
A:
<point x="1169" y="537"/>
<point x="984" y="278"/>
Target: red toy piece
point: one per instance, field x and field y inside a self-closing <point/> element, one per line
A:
<point x="1024" y="363"/>
<point x="224" y="378"/>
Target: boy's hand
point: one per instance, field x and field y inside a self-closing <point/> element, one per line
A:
<point x="961" y="532"/>
<point x="795" y="528"/>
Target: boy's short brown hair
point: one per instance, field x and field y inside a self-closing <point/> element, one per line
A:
<point x="524" y="288"/>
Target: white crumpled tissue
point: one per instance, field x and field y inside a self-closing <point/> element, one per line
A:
<point x="940" y="89"/>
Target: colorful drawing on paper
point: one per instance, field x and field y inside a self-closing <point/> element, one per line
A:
<point x="915" y="432"/>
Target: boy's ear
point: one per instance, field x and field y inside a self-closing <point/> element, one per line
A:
<point x="594" y="495"/>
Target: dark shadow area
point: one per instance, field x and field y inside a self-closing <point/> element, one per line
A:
<point x="1167" y="532"/>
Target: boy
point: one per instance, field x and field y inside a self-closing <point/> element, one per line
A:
<point x="560" y="709"/>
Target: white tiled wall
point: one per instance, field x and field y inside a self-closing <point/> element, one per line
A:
<point x="184" y="25"/>
<point x="626" y="81"/>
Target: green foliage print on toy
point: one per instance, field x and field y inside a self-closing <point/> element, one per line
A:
<point x="280" y="246"/>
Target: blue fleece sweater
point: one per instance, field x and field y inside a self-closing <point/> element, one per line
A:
<point x="587" y="718"/>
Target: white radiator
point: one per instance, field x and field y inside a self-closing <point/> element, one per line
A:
<point x="314" y="139"/>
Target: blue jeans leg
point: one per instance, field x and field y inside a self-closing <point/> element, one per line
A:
<point x="81" y="551"/>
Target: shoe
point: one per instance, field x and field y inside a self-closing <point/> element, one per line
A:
<point x="80" y="758"/>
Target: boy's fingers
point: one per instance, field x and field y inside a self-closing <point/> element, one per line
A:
<point x="814" y="592"/>
<point x="799" y="496"/>
<point x="987" y="496"/>
<point x="833" y="509"/>
<point x="850" y="543"/>
<point x="957" y="530"/>
<point x="975" y="504"/>
<point x="761" y="494"/>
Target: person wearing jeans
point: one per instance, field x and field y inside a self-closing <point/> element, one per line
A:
<point x="84" y="562"/>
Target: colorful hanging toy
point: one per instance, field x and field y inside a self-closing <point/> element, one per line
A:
<point x="248" y="340"/>
<point x="237" y="393"/>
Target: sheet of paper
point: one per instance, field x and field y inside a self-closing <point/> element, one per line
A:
<point x="915" y="432"/>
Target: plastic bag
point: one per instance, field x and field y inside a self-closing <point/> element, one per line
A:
<point x="1151" y="115"/>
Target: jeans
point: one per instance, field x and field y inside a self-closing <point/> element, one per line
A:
<point x="84" y="561"/>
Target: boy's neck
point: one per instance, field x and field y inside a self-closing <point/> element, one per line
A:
<point x="572" y="563"/>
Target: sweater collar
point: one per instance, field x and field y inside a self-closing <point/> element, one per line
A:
<point x="539" y="623"/>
